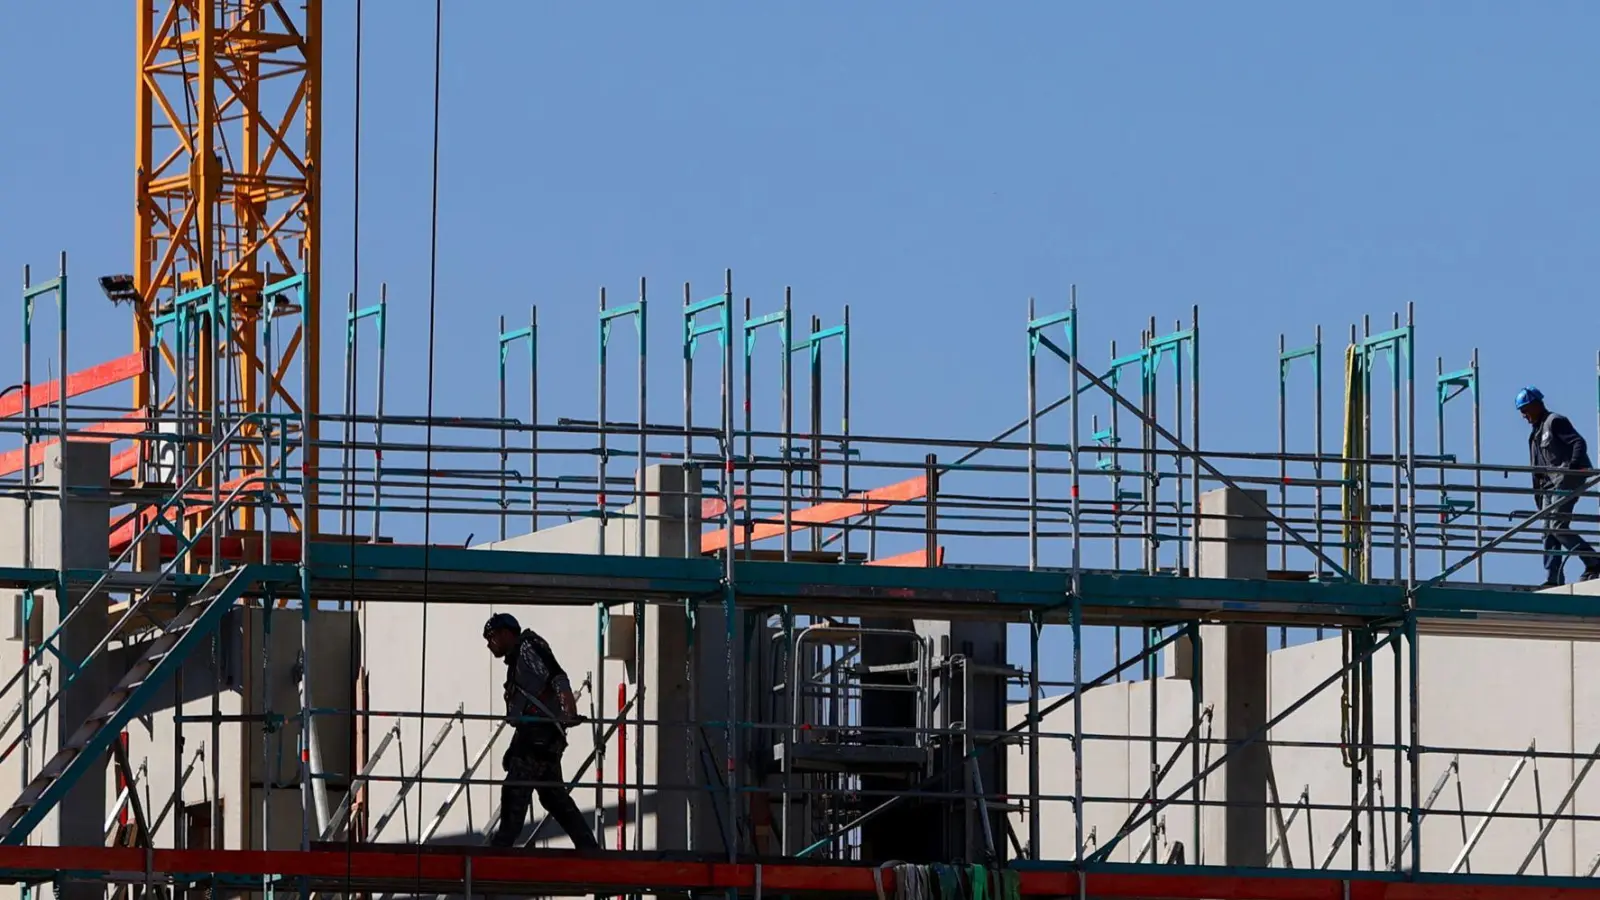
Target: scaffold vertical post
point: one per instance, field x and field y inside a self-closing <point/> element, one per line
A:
<point x="1286" y="361"/>
<point x="1035" y="811"/>
<point x="721" y="327"/>
<point x="1283" y="446"/>
<point x="530" y="335"/>
<point x="1194" y="426"/>
<point x="1073" y="440"/>
<point x="729" y="592"/>
<point x="1414" y="736"/>
<point x="1197" y="679"/>
<point x="1411" y="445"/>
<point x="377" y="426"/>
<point x="1477" y="459"/>
<point x="29" y="599"/>
<point x="844" y="427"/>
<point x="1038" y="326"/>
<point x="814" y="343"/>
<point x="1395" y="635"/>
<point x="347" y="424"/>
<point x="1149" y="480"/>
<point x="1076" y="612"/>
<point x="785" y="336"/>
<point x="1449" y="386"/>
<point x="639" y="620"/>
<point x="62" y="403"/>
<point x="1033" y="446"/>
<point x="268" y="432"/>
<point x="751" y="328"/>
<point x="378" y="313"/>
<point x="1442" y="396"/>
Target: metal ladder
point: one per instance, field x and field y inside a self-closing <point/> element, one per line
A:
<point x="163" y="657"/>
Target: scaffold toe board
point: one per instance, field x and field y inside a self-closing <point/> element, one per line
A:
<point x="414" y="869"/>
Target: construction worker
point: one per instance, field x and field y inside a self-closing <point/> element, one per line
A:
<point x="1559" y="451"/>
<point x="539" y="705"/>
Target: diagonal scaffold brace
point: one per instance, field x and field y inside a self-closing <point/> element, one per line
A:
<point x="1213" y="471"/>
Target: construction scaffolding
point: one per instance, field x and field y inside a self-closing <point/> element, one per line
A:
<point x="878" y="689"/>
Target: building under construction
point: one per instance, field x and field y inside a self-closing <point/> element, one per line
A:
<point x="809" y="659"/>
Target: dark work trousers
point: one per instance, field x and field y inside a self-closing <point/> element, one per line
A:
<point x="1560" y="539"/>
<point x="535" y="755"/>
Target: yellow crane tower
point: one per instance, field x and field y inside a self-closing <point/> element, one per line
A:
<point x="228" y="203"/>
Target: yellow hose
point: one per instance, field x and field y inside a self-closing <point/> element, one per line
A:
<point x="1354" y="701"/>
<point x="1353" y="507"/>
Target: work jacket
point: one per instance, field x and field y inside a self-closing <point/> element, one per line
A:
<point x="535" y="681"/>
<point x="1555" y="444"/>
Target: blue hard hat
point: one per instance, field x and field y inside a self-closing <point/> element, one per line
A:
<point x="1528" y="395"/>
<point x="499" y="621"/>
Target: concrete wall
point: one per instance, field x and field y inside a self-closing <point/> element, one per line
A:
<point x="461" y="672"/>
<point x="1476" y="693"/>
<point x="1114" y="769"/>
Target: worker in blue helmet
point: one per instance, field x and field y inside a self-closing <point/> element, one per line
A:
<point x="539" y="707"/>
<point x="1561" y="464"/>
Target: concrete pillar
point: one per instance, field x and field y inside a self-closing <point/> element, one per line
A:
<point x="75" y="525"/>
<point x="1233" y="532"/>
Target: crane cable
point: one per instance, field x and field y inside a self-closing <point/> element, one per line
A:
<point x="427" y="501"/>
<point x="357" y="651"/>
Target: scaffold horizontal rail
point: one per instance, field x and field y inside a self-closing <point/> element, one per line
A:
<point x="390" y="572"/>
<point x="401" y="572"/>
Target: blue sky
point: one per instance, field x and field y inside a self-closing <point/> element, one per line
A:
<point x="932" y="165"/>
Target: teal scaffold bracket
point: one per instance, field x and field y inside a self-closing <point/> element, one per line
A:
<point x="816" y="339"/>
<point x="1451" y="510"/>
<point x="59" y="283"/>
<point x="693" y="329"/>
<point x="505" y="340"/>
<point x="1287" y="358"/>
<point x="378" y="311"/>
<point x="615" y="313"/>
<point x="1453" y="384"/>
<point x="753" y="326"/>
<point x="1161" y="346"/>
<point x="1036" y="334"/>
<point x="296" y="283"/>
<point x="1398" y="343"/>
<point x="1398" y="339"/>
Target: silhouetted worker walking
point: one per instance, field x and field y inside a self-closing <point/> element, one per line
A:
<point x="536" y="685"/>
<point x="1557" y="448"/>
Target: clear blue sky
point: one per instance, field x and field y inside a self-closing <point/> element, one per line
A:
<point x="933" y="165"/>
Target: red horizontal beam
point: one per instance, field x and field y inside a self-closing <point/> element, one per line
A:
<point x="91" y="379"/>
<point x="864" y="503"/>
<point x="124" y="462"/>
<point x="234" y="548"/>
<point x="916" y="559"/>
<point x="104" y="432"/>
<point x="714" y="506"/>
<point x="200" y="501"/>
<point x="569" y="872"/>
